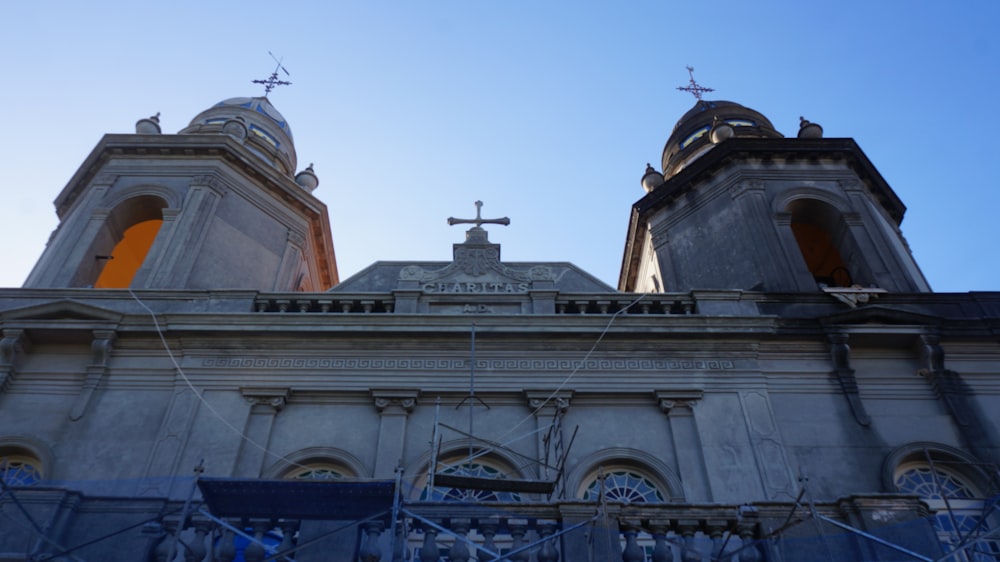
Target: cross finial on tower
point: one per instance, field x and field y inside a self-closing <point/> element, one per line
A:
<point x="479" y="221"/>
<point x="272" y="81"/>
<point x="693" y="87"/>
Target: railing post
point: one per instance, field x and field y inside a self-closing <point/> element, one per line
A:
<point x="429" y="551"/>
<point x="518" y="528"/>
<point x="459" y="550"/>
<point x="370" y="552"/>
<point x="488" y="529"/>
<point x="632" y="552"/>
<point x="548" y="553"/>
<point x="688" y="552"/>
<point x="661" y="550"/>
<point x="227" y="548"/>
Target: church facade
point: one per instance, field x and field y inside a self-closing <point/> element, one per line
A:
<point x="184" y="376"/>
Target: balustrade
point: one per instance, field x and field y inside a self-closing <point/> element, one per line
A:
<point x="665" y="533"/>
<point x="327" y="303"/>
<point x="689" y="540"/>
<point x="205" y="540"/>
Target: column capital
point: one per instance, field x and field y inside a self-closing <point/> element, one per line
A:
<point x="395" y="401"/>
<point x="275" y="398"/>
<point x="677" y="402"/>
<point x="547" y="400"/>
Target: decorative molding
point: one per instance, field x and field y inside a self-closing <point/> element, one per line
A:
<point x="853" y="296"/>
<point x="13" y="345"/>
<point x="659" y="236"/>
<point x="103" y="179"/>
<point x="739" y="188"/>
<point x="211" y="182"/>
<point x="100" y="350"/>
<point x="851" y="185"/>
<point x="840" y="354"/>
<point x="296" y="238"/>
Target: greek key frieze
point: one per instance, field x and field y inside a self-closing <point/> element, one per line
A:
<point x="416" y="364"/>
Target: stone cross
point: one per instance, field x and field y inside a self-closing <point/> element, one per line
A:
<point x="479" y="221"/>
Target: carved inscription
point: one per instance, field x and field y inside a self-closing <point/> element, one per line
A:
<point x="476" y="287"/>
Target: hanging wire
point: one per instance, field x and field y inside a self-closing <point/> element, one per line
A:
<point x="198" y="394"/>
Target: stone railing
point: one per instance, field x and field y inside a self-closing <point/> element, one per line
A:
<point x="381" y="303"/>
<point x="649" y="304"/>
<point x="566" y="532"/>
<point x="207" y="540"/>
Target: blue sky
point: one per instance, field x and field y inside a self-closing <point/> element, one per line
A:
<point x="546" y="111"/>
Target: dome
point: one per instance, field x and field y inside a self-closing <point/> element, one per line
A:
<point x="692" y="136"/>
<point x="254" y="122"/>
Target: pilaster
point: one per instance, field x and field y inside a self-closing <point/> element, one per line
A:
<point x="265" y="403"/>
<point x="393" y="406"/>
<point x="548" y="408"/>
<point x="679" y="405"/>
<point x="13" y="345"/>
<point x="184" y="240"/>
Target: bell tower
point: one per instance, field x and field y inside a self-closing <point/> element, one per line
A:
<point x="738" y="206"/>
<point x="216" y="206"/>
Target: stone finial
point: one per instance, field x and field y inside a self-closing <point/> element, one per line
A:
<point x="651" y="179"/>
<point x="809" y="130"/>
<point x="236" y="128"/>
<point x="307" y="178"/>
<point x="148" y="125"/>
<point x="721" y="130"/>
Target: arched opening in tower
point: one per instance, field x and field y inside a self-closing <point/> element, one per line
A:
<point x="128" y="255"/>
<point x="821" y="235"/>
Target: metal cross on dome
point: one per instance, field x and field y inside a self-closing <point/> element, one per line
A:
<point x="479" y="221"/>
<point x="272" y="81"/>
<point x="694" y="88"/>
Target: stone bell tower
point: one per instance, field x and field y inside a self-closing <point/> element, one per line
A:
<point x="216" y="206"/>
<point x="738" y="206"/>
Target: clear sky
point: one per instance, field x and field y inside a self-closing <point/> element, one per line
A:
<point x="546" y="111"/>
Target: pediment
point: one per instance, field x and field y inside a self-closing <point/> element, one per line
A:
<point x="880" y="314"/>
<point x="64" y="310"/>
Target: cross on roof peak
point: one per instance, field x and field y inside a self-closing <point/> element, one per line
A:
<point x="479" y="221"/>
<point x="272" y="81"/>
<point x="693" y="87"/>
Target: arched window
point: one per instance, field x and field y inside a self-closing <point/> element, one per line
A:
<point x="824" y="240"/>
<point x="480" y="467"/>
<point x="20" y="470"/>
<point x="317" y="471"/>
<point x="126" y="239"/>
<point x="962" y="514"/>
<point x="625" y="484"/>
